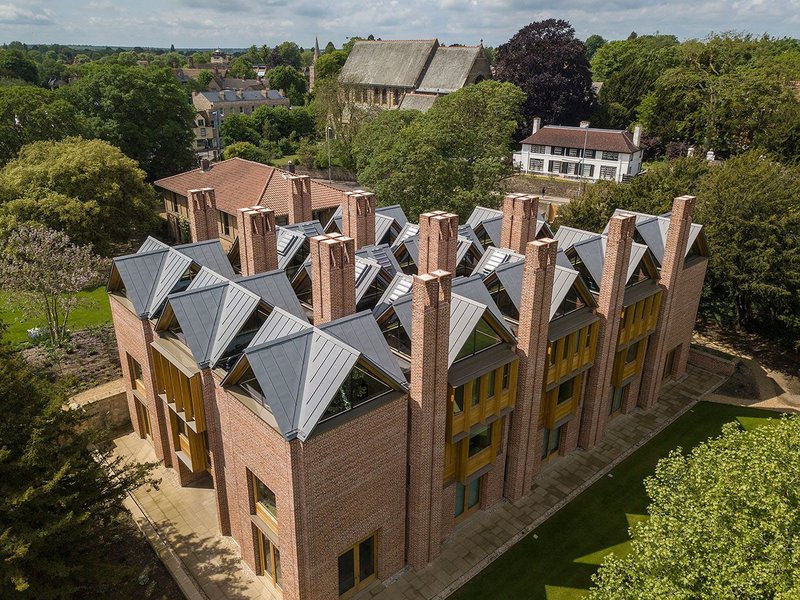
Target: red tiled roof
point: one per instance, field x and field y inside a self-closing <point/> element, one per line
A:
<point x="240" y="183"/>
<point x="573" y="137"/>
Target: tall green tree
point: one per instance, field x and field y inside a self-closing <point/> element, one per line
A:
<point x="142" y="110"/>
<point x="290" y="80"/>
<point x="238" y="128"/>
<point x="452" y="157"/>
<point x="247" y="151"/>
<point x="593" y="44"/>
<point x="290" y="54"/>
<point x="60" y="506"/>
<point x="15" y="64"/>
<point x="242" y="68"/>
<point x="549" y="64"/>
<point x="29" y="114"/>
<point x="86" y="188"/>
<point x="330" y="63"/>
<point x="724" y="523"/>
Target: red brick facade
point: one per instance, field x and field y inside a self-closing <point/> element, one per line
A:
<point x="358" y="218"/>
<point x="333" y="277"/>
<point x="258" y="242"/>
<point x="519" y="221"/>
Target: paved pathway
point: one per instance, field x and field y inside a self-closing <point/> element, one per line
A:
<point x="181" y="522"/>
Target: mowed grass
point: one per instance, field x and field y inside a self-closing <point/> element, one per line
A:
<point x="93" y="310"/>
<point x="557" y="564"/>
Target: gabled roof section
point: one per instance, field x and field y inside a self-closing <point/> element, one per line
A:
<point x="493" y="258"/>
<point x="472" y="287"/>
<point x="420" y="102"/>
<point x="467" y="241"/>
<point x="481" y="214"/>
<point x="653" y="230"/>
<point x="391" y="63"/>
<point x="399" y="287"/>
<point x="610" y="140"/>
<point x="148" y="277"/>
<point x="290" y="239"/>
<point x="383" y="255"/>
<point x="300" y="367"/>
<point x="206" y="277"/>
<point x="465" y="314"/>
<point x="366" y="272"/>
<point x="409" y="230"/>
<point x="151" y="244"/>
<point x="494" y="229"/>
<point x="449" y="69"/>
<point x="307" y="228"/>
<point x="386" y="218"/>
<point x="209" y="254"/>
<point x="210" y="318"/>
<point x="273" y="287"/>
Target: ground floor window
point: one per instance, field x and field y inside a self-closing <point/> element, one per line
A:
<point x="617" y="397"/>
<point x="468" y="497"/>
<point x="669" y="363"/>
<point x="144" y="418"/>
<point x="551" y="441"/>
<point x="357" y="566"/>
<point x="536" y="164"/>
<point x="608" y="172"/>
<point x="270" y="558"/>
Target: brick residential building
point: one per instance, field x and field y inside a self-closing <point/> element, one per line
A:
<point x="345" y="438"/>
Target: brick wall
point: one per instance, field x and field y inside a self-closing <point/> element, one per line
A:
<point x="711" y="362"/>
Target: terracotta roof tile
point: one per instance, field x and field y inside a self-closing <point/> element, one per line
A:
<point x="240" y="183"/>
<point x="573" y="137"/>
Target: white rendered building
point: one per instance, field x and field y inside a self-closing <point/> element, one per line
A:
<point x="575" y="152"/>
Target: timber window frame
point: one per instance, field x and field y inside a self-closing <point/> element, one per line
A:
<point x="357" y="566"/>
<point x="468" y="498"/>
<point x="264" y="502"/>
<point x="269" y="558"/>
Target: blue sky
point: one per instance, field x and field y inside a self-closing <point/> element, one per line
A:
<point x="240" y="23"/>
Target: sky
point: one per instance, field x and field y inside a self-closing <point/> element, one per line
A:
<point x="240" y="23"/>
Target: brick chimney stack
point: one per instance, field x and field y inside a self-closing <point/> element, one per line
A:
<point x="431" y="293"/>
<point x="534" y="322"/>
<point x="680" y="224"/>
<point x="609" y="309"/>
<point x="258" y="242"/>
<point x="358" y="217"/>
<point x="519" y="221"/>
<point x="438" y="242"/>
<point x="202" y="214"/>
<point x="299" y="198"/>
<point x="537" y="125"/>
<point x="333" y="277"/>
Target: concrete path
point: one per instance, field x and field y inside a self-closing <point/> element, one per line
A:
<point x="181" y="522"/>
<point x="181" y="525"/>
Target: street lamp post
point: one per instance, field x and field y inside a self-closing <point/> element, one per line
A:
<point x="585" y="127"/>
<point x="328" y="132"/>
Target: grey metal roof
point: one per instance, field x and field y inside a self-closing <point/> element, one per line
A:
<point x="210" y="318"/>
<point x="307" y="228"/>
<point x="467" y="240"/>
<point x="395" y="211"/>
<point x="493" y="258"/>
<point x="409" y="230"/>
<point x="232" y="96"/>
<point x="151" y="244"/>
<point x="149" y="277"/>
<point x="387" y="63"/>
<point x="288" y="242"/>
<point x="494" y="229"/>
<point x="273" y="287"/>
<point x="361" y="331"/>
<point x="449" y="69"/>
<point x="420" y="102"/>
<point x="481" y="214"/>
<point x="569" y="236"/>
<point x="464" y="317"/>
<point x="205" y="278"/>
<point x="300" y="367"/>
<point x="383" y="255"/>
<point x="366" y="272"/>
<point x="209" y="254"/>
<point x="472" y="287"/>
<point x="591" y="248"/>
<point x="399" y="287"/>
<point x="654" y="229"/>
<point x="511" y="274"/>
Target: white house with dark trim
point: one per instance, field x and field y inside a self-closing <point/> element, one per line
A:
<point x="575" y="152"/>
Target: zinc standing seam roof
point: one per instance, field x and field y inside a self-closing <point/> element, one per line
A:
<point x="654" y="229"/>
<point x="209" y="254"/>
<point x="383" y="255"/>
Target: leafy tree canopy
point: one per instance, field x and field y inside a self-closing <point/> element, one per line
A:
<point x="330" y="63"/>
<point x="142" y="110"/>
<point x="546" y="61"/>
<point x="593" y="44"/>
<point x="290" y="54"/>
<point x="14" y="64"/>
<point x="724" y="523"/>
<point x="29" y="114"/>
<point x="238" y="128"/>
<point x="290" y="80"/>
<point x="247" y="151"/>
<point x="242" y="68"/>
<point x="85" y="188"/>
<point x="451" y="158"/>
<point x="60" y="507"/>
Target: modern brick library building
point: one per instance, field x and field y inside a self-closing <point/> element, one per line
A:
<point x="351" y="417"/>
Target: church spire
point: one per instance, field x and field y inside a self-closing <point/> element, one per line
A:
<point x="316" y="48"/>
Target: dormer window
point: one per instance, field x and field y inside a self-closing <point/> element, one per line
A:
<point x="359" y="387"/>
<point x="482" y="337"/>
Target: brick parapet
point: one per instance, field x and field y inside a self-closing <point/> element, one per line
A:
<point x="519" y="221"/>
<point x="438" y="242"/>
<point x="358" y="217"/>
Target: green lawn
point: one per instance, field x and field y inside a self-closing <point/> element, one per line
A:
<point x="281" y="162"/>
<point x="93" y="310"/>
<point x="558" y="563"/>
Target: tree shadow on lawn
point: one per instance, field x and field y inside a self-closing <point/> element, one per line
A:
<point x="556" y="561"/>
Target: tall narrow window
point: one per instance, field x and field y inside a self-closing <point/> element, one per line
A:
<point x="357" y="566"/>
<point x="476" y="392"/>
<point x="506" y="376"/>
<point x="490" y="383"/>
<point x="264" y="500"/>
<point x="269" y="557"/>
<point x="458" y="404"/>
<point x="468" y="497"/>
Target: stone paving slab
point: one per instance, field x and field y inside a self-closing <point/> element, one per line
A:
<point x="465" y="554"/>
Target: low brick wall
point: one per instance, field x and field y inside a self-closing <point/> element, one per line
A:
<point x="106" y="405"/>
<point x="711" y="362"/>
